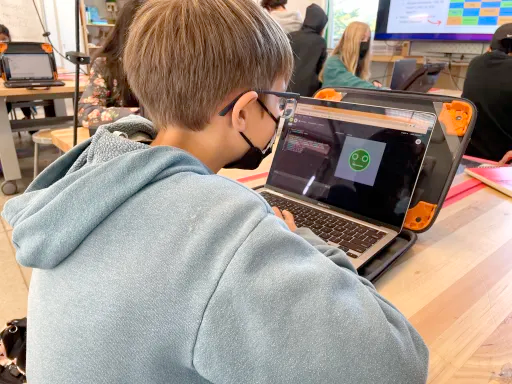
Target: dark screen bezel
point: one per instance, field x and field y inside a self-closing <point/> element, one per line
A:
<point x="382" y="26"/>
<point x="333" y="104"/>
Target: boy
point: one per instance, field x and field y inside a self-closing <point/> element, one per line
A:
<point x="488" y="84"/>
<point x="152" y="269"/>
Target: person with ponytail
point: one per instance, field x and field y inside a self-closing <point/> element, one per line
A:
<point x="349" y="63"/>
<point x="108" y="96"/>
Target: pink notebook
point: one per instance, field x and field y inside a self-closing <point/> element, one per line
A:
<point x="499" y="178"/>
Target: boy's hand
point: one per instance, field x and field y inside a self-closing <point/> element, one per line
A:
<point x="287" y="217"/>
<point x="376" y="83"/>
<point x="506" y="158"/>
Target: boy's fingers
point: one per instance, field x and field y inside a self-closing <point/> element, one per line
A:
<point x="289" y="220"/>
<point x="278" y="213"/>
<point x="506" y="158"/>
<point x="288" y="217"/>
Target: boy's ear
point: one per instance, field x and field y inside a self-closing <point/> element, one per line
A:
<point x="241" y="112"/>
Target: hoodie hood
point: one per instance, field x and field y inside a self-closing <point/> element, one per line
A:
<point x="79" y="190"/>
<point x="290" y="21"/>
<point x="316" y="19"/>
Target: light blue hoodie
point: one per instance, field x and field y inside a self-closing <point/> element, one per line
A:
<point x="151" y="269"/>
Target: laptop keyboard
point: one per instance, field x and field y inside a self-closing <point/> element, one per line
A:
<point x="351" y="237"/>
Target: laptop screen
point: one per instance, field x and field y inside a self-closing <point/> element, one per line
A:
<point x="28" y="66"/>
<point x="358" y="159"/>
<point x="402" y="70"/>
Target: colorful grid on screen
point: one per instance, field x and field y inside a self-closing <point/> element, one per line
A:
<point x="479" y="12"/>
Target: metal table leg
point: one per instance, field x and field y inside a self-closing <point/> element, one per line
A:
<point x="8" y="155"/>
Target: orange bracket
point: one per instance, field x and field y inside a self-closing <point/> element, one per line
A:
<point x="329" y="94"/>
<point x="420" y="216"/>
<point x="47" y="48"/>
<point x="456" y="116"/>
<point x="3" y="48"/>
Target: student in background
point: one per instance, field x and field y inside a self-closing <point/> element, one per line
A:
<point x="310" y="50"/>
<point x="159" y="271"/>
<point x="5" y="37"/>
<point x="291" y="21"/>
<point x="349" y="63"/>
<point x="108" y="97"/>
<point x="488" y="85"/>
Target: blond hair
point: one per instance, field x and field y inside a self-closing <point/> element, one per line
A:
<point x="348" y="50"/>
<point x="183" y="57"/>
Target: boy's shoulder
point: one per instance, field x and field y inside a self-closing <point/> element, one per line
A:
<point x="215" y="190"/>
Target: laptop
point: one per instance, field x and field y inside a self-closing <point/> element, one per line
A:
<point x="30" y="70"/>
<point x="423" y="79"/>
<point x="402" y="70"/>
<point x="348" y="171"/>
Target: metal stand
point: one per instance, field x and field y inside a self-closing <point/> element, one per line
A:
<point x="78" y="58"/>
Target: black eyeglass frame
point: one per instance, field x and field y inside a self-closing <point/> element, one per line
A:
<point x="286" y="95"/>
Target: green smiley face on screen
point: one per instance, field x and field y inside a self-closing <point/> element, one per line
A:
<point x="359" y="160"/>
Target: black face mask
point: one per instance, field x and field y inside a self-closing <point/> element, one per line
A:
<point x="254" y="156"/>
<point x="363" y="49"/>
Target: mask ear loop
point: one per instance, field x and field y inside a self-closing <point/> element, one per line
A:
<point x="270" y="114"/>
<point x="276" y="120"/>
<point x="270" y="143"/>
<point x="246" y="139"/>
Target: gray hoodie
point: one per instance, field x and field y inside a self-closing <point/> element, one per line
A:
<point x="290" y="21"/>
<point x="150" y="269"/>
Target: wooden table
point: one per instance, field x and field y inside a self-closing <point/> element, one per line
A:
<point x="455" y="285"/>
<point x="445" y="92"/>
<point x="419" y="59"/>
<point x="19" y="94"/>
<point x="8" y="156"/>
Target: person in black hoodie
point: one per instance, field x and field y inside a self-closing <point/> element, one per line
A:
<point x="489" y="86"/>
<point x="310" y="50"/>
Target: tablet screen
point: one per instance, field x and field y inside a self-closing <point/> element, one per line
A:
<point x="28" y="66"/>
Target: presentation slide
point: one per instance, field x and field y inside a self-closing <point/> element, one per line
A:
<point x="448" y="16"/>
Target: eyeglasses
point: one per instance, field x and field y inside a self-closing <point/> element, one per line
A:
<point x="287" y="103"/>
